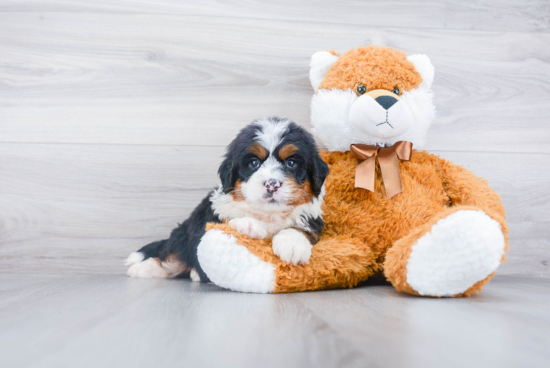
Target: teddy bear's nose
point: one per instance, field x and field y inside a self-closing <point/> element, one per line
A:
<point x="386" y="101"/>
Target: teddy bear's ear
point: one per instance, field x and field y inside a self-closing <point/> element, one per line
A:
<point x="424" y="66"/>
<point x="320" y="64"/>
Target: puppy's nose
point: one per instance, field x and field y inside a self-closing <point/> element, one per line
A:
<point x="386" y="101"/>
<point x="272" y="185"/>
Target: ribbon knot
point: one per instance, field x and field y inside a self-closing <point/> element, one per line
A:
<point x="388" y="159"/>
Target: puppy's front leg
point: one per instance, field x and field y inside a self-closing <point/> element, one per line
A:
<point x="250" y="226"/>
<point x="292" y="246"/>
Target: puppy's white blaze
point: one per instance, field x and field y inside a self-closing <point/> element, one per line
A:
<point x="270" y="133"/>
<point x="292" y="246"/>
<point x="147" y="269"/>
<point x="249" y="226"/>
<point x="134" y="258"/>
<point x="194" y="275"/>
<point x="254" y="188"/>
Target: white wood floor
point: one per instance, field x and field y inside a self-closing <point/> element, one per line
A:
<point x="114" y="321"/>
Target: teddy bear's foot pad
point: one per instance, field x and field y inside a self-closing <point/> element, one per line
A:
<point x="460" y="250"/>
<point x="232" y="266"/>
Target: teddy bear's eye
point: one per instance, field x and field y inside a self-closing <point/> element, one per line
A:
<point x="361" y="89"/>
<point x="397" y="91"/>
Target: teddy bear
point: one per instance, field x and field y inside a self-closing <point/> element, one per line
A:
<point x="426" y="225"/>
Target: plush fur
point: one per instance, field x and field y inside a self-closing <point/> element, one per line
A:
<point x="271" y="187"/>
<point x="444" y="235"/>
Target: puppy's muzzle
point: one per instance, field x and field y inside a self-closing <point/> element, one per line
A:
<point x="272" y="185"/>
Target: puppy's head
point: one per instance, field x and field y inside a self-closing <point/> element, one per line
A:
<point x="273" y="163"/>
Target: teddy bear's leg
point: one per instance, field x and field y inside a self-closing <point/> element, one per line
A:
<point x="234" y="261"/>
<point x="453" y="254"/>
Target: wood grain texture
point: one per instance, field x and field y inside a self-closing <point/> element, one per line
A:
<point x="493" y="15"/>
<point x="114" y="321"/>
<point x="114" y="114"/>
<point x="84" y="208"/>
<point x="160" y="79"/>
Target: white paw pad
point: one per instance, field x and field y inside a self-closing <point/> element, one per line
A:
<point x="249" y="226"/>
<point x="292" y="246"/>
<point x="459" y="251"/>
<point x="147" y="269"/>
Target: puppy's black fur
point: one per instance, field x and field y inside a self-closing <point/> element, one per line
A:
<point x="310" y="164"/>
<point x="184" y="240"/>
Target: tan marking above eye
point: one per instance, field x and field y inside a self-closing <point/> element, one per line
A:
<point x="287" y="150"/>
<point x="258" y="150"/>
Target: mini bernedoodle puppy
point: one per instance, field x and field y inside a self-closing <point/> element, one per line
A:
<point x="271" y="186"/>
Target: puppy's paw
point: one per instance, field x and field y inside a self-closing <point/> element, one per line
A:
<point x="292" y="246"/>
<point x="150" y="268"/>
<point x="194" y="275"/>
<point x="249" y="226"/>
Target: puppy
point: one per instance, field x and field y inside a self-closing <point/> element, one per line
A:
<point x="271" y="187"/>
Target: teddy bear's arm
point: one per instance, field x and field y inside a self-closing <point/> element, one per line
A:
<point x="237" y="262"/>
<point x="465" y="189"/>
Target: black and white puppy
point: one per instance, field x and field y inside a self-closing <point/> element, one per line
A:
<point x="271" y="187"/>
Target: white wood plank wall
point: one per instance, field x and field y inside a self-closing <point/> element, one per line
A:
<point x="114" y="114"/>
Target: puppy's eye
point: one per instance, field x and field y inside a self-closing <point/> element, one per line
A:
<point x="397" y="91"/>
<point x="291" y="164"/>
<point x="254" y="164"/>
<point x="361" y="89"/>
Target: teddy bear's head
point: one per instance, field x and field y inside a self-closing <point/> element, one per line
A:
<point x="371" y="95"/>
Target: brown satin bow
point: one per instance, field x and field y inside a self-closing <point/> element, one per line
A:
<point x="388" y="158"/>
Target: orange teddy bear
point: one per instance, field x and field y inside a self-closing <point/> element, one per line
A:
<point x="428" y="226"/>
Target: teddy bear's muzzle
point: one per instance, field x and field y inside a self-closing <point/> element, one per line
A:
<point x="380" y="114"/>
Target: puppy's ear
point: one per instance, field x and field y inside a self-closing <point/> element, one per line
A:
<point x="225" y="173"/>
<point x="317" y="175"/>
